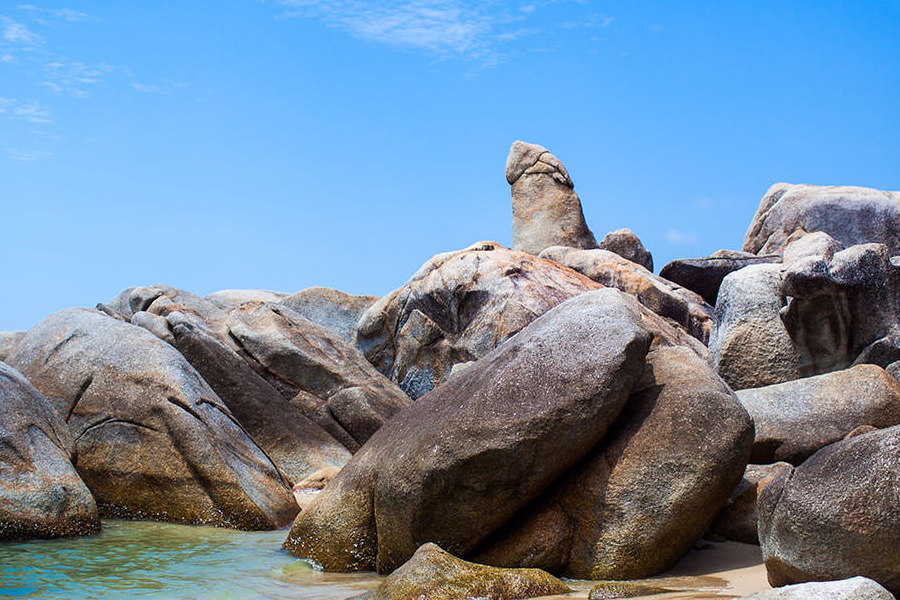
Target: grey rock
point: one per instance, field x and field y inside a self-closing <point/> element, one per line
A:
<point x="796" y="418"/>
<point x="332" y="309"/>
<point x="155" y="324"/>
<point x="855" y="588"/>
<point x="152" y="440"/>
<point x="546" y="209"/>
<point x="295" y="355"/>
<point x="8" y="341"/>
<point x="643" y="497"/>
<point x="662" y="297"/>
<point x="163" y="300"/>
<point x="738" y="520"/>
<point x="626" y="244"/>
<point x="704" y="275"/>
<point x="466" y="457"/>
<point x="234" y="297"/>
<point x="851" y="215"/>
<point x="750" y="346"/>
<point x="41" y="495"/>
<point x="837" y="515"/>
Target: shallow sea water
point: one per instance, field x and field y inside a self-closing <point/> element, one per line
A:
<point x="160" y="560"/>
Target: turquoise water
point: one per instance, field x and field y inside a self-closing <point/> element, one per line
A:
<point x="161" y="560"/>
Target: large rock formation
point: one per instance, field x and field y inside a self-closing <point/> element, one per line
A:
<point x="235" y="297"/>
<point x="750" y="346"/>
<point x="296" y="445"/>
<point x="466" y="457"/>
<point x="152" y="440"/>
<point x="437" y="575"/>
<point x="627" y="245"/>
<point x="41" y="495"/>
<point x="796" y="418"/>
<point x="546" y="209"/>
<point x="299" y="358"/>
<point x="8" y="341"/>
<point x="855" y="588"/>
<point x="332" y="309"/>
<point x="662" y="297"/>
<point x="704" y="275"/>
<point x="851" y="215"/>
<point x="837" y="515"/>
<point x="638" y="501"/>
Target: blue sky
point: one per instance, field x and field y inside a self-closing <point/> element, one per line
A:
<point x="284" y="144"/>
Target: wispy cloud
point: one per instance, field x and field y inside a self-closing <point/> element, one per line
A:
<point x="18" y="34"/>
<point x="32" y="111"/>
<point x="48" y="16"/>
<point x="73" y="77"/>
<point x="26" y="156"/>
<point x="447" y="28"/>
<point x="681" y="237"/>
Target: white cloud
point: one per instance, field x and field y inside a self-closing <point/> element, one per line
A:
<point x="42" y="15"/>
<point x="26" y="156"/>
<point x="16" y="33"/>
<point x="681" y="237"/>
<point x="73" y="77"/>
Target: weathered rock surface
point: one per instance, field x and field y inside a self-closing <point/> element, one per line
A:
<point x="464" y="458"/>
<point x="704" y="275"/>
<point x="306" y="490"/>
<point x="296" y="356"/>
<point x="750" y="346"/>
<point x="41" y="495"/>
<point x="235" y="298"/>
<point x="739" y="519"/>
<point x="844" y="308"/>
<point x="437" y="575"/>
<point x="608" y="590"/>
<point x="627" y="245"/>
<point x="662" y="297"/>
<point x="8" y="341"/>
<point x="296" y="445"/>
<point x="458" y="307"/>
<point x="546" y="209"/>
<point x="796" y="418"/>
<point x="332" y="309"/>
<point x="837" y="515"/>
<point x="637" y="502"/>
<point x="152" y="440"/>
<point x="851" y="215"/>
<point x="855" y="588"/>
<point x="142" y="306"/>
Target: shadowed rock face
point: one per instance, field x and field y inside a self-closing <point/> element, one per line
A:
<point x="796" y="418"/>
<point x="639" y="500"/>
<point x="458" y="307"/>
<point x="41" y="495"/>
<point x="704" y="275"/>
<point x="836" y="515"/>
<point x="434" y="574"/>
<point x="662" y="297"/>
<point x="546" y="209"/>
<point x="152" y="440"/>
<point x="464" y="458"/>
<point x="739" y="519"/>
<point x="851" y="215"/>
<point x="296" y="445"/>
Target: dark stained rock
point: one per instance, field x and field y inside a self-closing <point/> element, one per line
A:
<point x="297" y="356"/>
<point x="641" y="499"/>
<point x="41" y="495"/>
<point x="546" y="209"/>
<point x="296" y="445"/>
<point x="8" y="341"/>
<point x="437" y="575"/>
<point x="738" y="521"/>
<point x="796" y="418"/>
<point x="332" y="309"/>
<point x="750" y="346"/>
<point x="464" y="458"/>
<point x="851" y="215"/>
<point x="844" y="308"/>
<point x="705" y="275"/>
<point x="627" y="245"/>
<point x="662" y="297"/>
<point x="458" y="307"/>
<point x="152" y="440"/>
<point x="837" y="515"/>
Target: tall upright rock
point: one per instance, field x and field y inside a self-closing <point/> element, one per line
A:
<point x="546" y="209"/>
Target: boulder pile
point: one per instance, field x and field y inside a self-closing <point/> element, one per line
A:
<point x="553" y="409"/>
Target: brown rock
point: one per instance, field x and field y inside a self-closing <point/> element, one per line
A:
<point x="739" y="520"/>
<point x="627" y="245"/>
